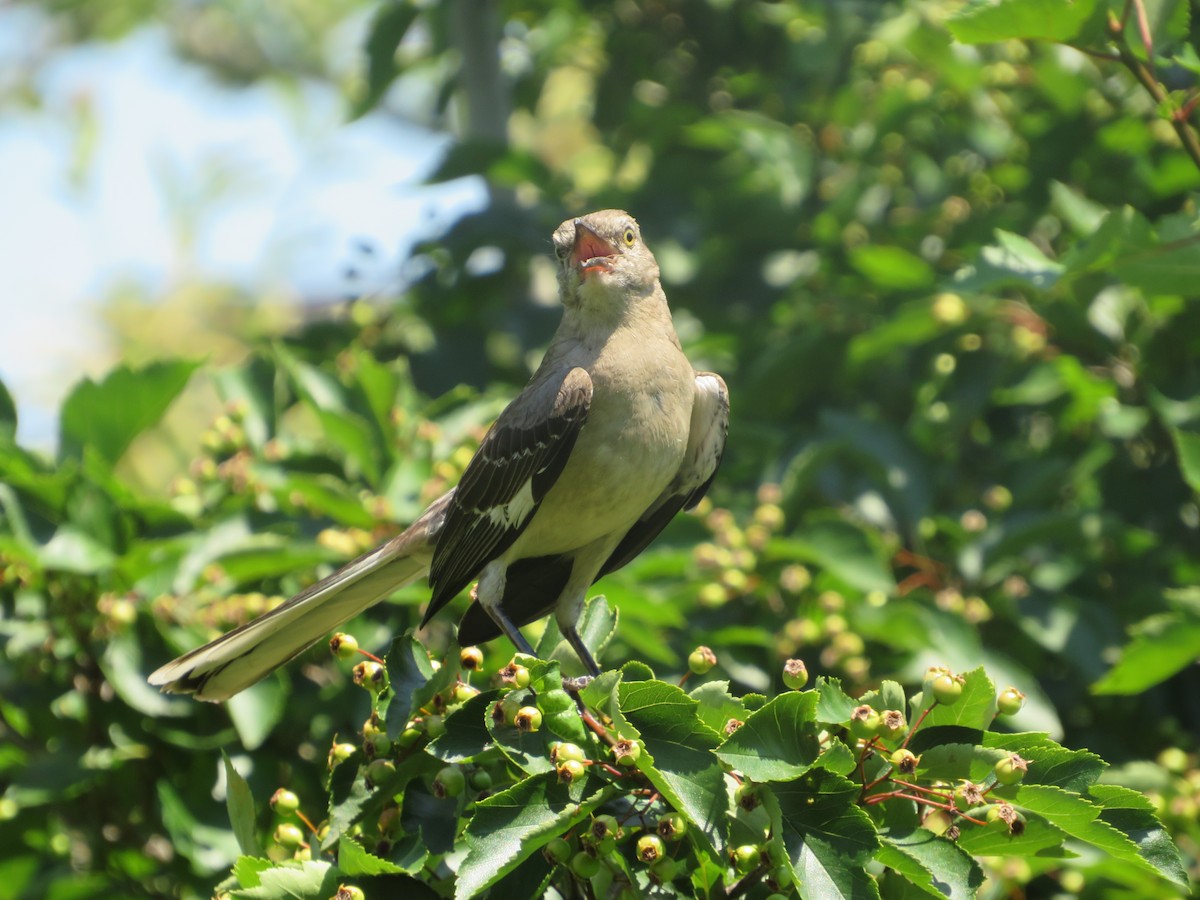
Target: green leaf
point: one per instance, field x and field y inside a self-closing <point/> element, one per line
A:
<point x="778" y="742"/>
<point x="1164" y="645"/>
<point x="937" y="866"/>
<point x="717" y="705"/>
<point x="466" y="734"/>
<point x="388" y="28"/>
<point x="991" y="21"/>
<point x="71" y="550"/>
<point x="248" y="870"/>
<point x="1132" y="814"/>
<point x="408" y="670"/>
<point x="257" y="710"/>
<point x="678" y="760"/>
<point x="354" y="860"/>
<point x="8" y="415"/>
<point x="828" y="838"/>
<point x="240" y="804"/>
<point x="892" y="268"/>
<point x="1051" y="763"/>
<point x="509" y="826"/>
<point x="106" y="416"/>
<point x="1077" y="817"/>
<point x="1187" y="448"/>
<point x="834" y="705"/>
<point x="1013" y="261"/>
<point x="311" y="880"/>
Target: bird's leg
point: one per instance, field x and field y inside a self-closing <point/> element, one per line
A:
<point x="490" y="593"/>
<point x="581" y="650"/>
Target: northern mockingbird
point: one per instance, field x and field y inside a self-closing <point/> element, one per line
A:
<point x="614" y="435"/>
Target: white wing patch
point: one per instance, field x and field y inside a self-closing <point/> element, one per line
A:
<point x="706" y="439"/>
<point x="516" y="510"/>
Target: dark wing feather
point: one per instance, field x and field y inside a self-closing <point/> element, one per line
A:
<point x="519" y="460"/>
<point x="531" y="588"/>
<point x="706" y="446"/>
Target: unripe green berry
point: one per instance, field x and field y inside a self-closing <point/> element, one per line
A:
<point x="938" y="821"/>
<point x="340" y="753"/>
<point x="389" y="821"/>
<point x="343" y="646"/>
<point x="557" y="852"/>
<point x="370" y="675"/>
<point x="947" y="689"/>
<point x="1010" y="769"/>
<point x="377" y="745"/>
<point x="864" y="723"/>
<point x="449" y="782"/>
<point x="650" y="848"/>
<point x="1010" y="702"/>
<point x="480" y="780"/>
<point x="627" y="752"/>
<point x="410" y="737"/>
<point x="288" y="835"/>
<point x="505" y="711"/>
<point x="561" y="751"/>
<point x="471" y="658"/>
<point x="968" y="795"/>
<point x="746" y="858"/>
<point x="584" y="865"/>
<point x="349" y="892"/>
<point x="515" y="675"/>
<point x="701" y="660"/>
<point x="892" y="724"/>
<point x="795" y="674"/>
<point x="671" y="827"/>
<point x="746" y="796"/>
<point x="605" y="826"/>
<point x="528" y="719"/>
<point x="779" y="878"/>
<point x="284" y="802"/>
<point x="379" y="771"/>
<point x="570" y="771"/>
<point x="905" y="761"/>
<point x="303" y="853"/>
<point x="435" y="726"/>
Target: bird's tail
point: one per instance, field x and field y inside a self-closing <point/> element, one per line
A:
<point x="236" y="660"/>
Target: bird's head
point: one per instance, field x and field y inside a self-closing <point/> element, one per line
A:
<point x="601" y="259"/>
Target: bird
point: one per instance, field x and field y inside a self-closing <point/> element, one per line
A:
<point x="614" y="434"/>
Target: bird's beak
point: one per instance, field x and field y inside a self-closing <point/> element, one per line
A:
<point x="591" y="253"/>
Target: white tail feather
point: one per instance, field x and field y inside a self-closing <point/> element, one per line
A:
<point x="236" y="660"/>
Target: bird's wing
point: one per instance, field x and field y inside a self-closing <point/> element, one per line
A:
<point x="705" y="447"/>
<point x="518" y="462"/>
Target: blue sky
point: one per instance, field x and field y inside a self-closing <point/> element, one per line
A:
<point x="139" y="167"/>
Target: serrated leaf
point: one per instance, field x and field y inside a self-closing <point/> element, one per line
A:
<point x="408" y="670"/>
<point x="975" y="708"/>
<point x="991" y="21"/>
<point x="828" y="838"/>
<point x="1077" y="817"/>
<point x="1052" y="764"/>
<point x="1039" y="838"/>
<point x="931" y="863"/>
<point x="239" y="803"/>
<point x="311" y="880"/>
<point x="1132" y="814"/>
<point x="247" y="870"/>
<point x="105" y="416"/>
<point x="466" y="734"/>
<point x="354" y="860"/>
<point x="834" y="705"/>
<point x="1164" y="645"/>
<point x="678" y="760"/>
<point x="509" y="826"/>
<point x="717" y="705"/>
<point x="778" y="742"/>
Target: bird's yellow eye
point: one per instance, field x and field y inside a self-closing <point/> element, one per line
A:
<point x="629" y="237"/>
